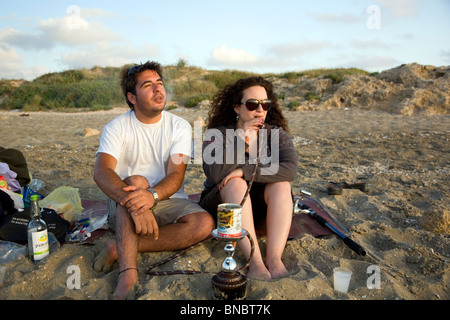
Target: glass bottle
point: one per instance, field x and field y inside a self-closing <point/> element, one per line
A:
<point x="38" y="247"/>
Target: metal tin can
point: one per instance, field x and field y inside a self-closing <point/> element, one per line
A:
<point x="229" y="220"/>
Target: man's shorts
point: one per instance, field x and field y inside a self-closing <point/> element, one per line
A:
<point x="166" y="212"/>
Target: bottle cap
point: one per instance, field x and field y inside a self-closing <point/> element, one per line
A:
<point x="34" y="197"/>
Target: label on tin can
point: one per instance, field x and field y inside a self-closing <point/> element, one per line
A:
<point x="229" y="220"/>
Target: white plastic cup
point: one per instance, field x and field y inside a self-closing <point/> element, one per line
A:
<point x="342" y="278"/>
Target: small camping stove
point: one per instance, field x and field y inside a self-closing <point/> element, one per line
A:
<point x="230" y="284"/>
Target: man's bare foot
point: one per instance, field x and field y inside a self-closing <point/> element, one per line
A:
<point x="106" y="257"/>
<point x="125" y="285"/>
<point x="277" y="269"/>
<point x="258" y="270"/>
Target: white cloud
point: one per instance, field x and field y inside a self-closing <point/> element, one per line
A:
<point x="12" y="65"/>
<point x="30" y="73"/>
<point x="10" y="62"/>
<point x="399" y="8"/>
<point x="77" y="40"/>
<point x="107" y="54"/>
<point x="8" y="54"/>
<point x="405" y="36"/>
<point x="334" y="18"/>
<point x="373" y="62"/>
<point x="294" y="49"/>
<point x="26" y="41"/>
<point x="284" y="55"/>
<point x="76" y="31"/>
<point x="91" y="13"/>
<point x="225" y="56"/>
<point x="370" y="44"/>
<point x="70" y="30"/>
<point x="445" y="55"/>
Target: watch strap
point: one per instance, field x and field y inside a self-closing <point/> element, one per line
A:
<point x="155" y="195"/>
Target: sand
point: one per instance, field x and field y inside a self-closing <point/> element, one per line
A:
<point x="403" y="221"/>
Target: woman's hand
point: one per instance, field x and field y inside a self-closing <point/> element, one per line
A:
<point x="236" y="173"/>
<point x="251" y="128"/>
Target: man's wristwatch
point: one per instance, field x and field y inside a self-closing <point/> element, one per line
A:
<point x="155" y="195"/>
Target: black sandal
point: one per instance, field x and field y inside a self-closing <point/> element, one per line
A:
<point x="335" y="188"/>
<point x="359" y="185"/>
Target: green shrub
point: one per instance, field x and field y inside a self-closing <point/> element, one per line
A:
<point x="293" y="104"/>
<point x="192" y="102"/>
<point x="185" y="89"/>
<point x="99" y="88"/>
<point x="291" y="76"/>
<point x="63" y="91"/>
<point x="223" y="78"/>
<point x="311" y="96"/>
<point x="336" y="75"/>
<point x="8" y="86"/>
<point x="182" y="63"/>
<point x="172" y="107"/>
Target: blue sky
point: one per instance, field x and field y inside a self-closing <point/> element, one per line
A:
<point x="38" y="37"/>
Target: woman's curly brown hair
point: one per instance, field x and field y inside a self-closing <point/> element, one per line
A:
<point x="222" y="106"/>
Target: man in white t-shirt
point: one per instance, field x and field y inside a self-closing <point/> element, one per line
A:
<point x="140" y="166"/>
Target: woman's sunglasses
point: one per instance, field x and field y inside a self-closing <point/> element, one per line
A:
<point x="252" y="104"/>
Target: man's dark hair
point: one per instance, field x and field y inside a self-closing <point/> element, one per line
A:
<point x="129" y="76"/>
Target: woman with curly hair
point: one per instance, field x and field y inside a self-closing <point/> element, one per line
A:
<point x="247" y="114"/>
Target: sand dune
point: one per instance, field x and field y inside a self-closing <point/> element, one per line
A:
<point x="401" y="150"/>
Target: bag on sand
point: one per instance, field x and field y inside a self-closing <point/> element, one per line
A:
<point x="65" y="201"/>
<point x="13" y="227"/>
<point x="17" y="163"/>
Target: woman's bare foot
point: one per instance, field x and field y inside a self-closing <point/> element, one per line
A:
<point x="106" y="257"/>
<point x="277" y="269"/>
<point x="257" y="270"/>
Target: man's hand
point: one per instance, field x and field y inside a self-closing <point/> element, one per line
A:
<point x="145" y="224"/>
<point x="137" y="201"/>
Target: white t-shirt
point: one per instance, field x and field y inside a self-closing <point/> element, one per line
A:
<point x="144" y="149"/>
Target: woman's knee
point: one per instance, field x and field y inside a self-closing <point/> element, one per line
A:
<point x="278" y="189"/>
<point x="234" y="187"/>
<point x="237" y="184"/>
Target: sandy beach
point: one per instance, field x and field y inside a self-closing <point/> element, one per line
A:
<point x="403" y="220"/>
